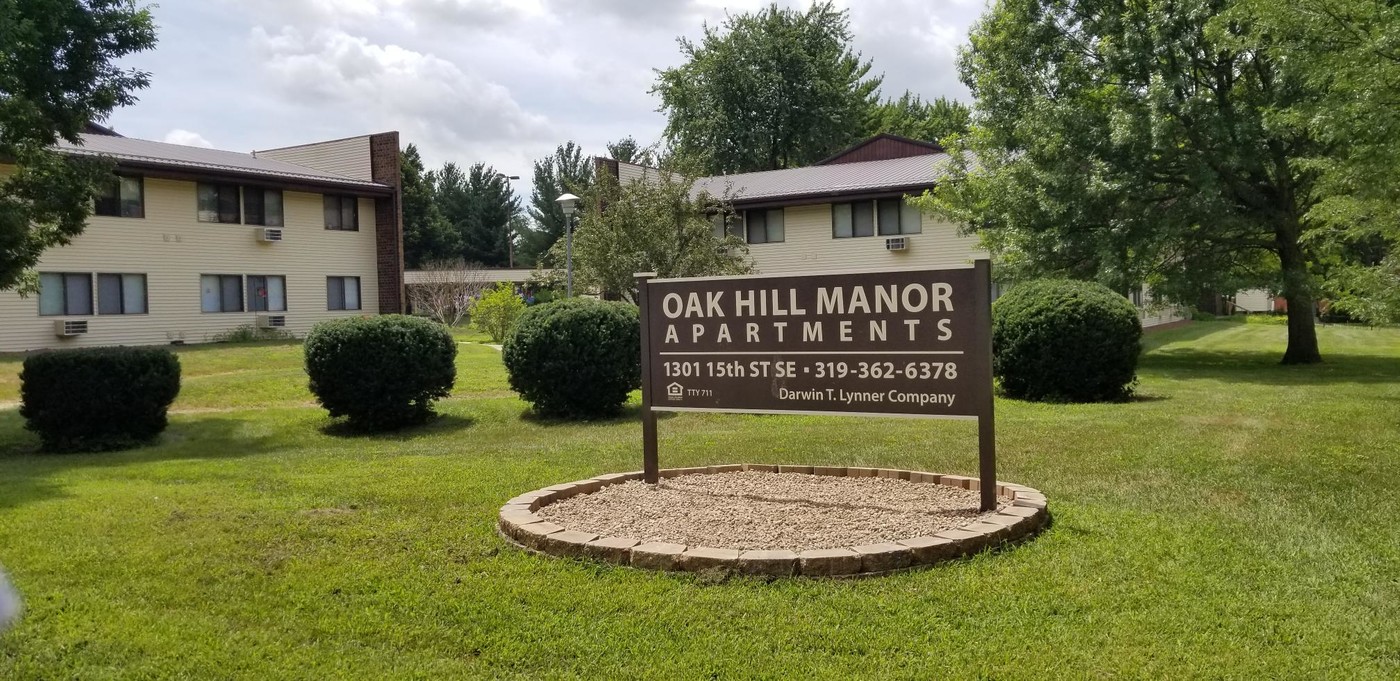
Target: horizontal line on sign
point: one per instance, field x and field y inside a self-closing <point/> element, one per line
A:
<point x="953" y="417"/>
<point x="823" y="352"/>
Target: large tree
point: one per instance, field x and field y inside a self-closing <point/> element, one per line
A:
<point x="910" y="116"/>
<point x="650" y="227"/>
<point x="487" y="233"/>
<point x="628" y="150"/>
<point x="57" y="75"/>
<point x="427" y="236"/>
<point x="776" y="88"/>
<point x="1138" y="142"/>
<point x="1346" y="54"/>
<point x="566" y="171"/>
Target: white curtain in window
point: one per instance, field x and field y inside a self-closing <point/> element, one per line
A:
<point x="50" y="293"/>
<point x="352" y="293"/>
<point x="841" y="225"/>
<point x="209" y="293"/>
<point x="277" y="294"/>
<point x="776" y="231"/>
<point x="912" y="221"/>
<point x="134" y="293"/>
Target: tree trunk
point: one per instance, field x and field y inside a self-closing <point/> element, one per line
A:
<point x="1302" y="332"/>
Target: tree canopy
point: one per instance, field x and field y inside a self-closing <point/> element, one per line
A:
<point x="1140" y="142"/>
<point x="57" y="75"/>
<point x="427" y="235"/>
<point x="1346" y="55"/>
<point x="567" y="170"/>
<point x="653" y="226"/>
<point x="910" y="116"/>
<point x="777" y="88"/>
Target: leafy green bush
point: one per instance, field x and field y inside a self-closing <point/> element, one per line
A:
<point x="98" y="399"/>
<point x="1065" y="341"/>
<point x="496" y="312"/>
<point x="576" y="358"/>
<point x="381" y="372"/>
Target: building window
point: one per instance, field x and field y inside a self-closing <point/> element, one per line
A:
<point x="765" y="226"/>
<point x="342" y="213"/>
<point x="218" y="202"/>
<point x="121" y="294"/>
<point x="1136" y="296"/>
<point x="65" y="293"/>
<point x="262" y="206"/>
<point x="221" y="293"/>
<point x="267" y="293"/>
<point x="887" y="217"/>
<point x="342" y="293"/>
<point x="121" y="197"/>
<point x="727" y="222"/>
<point x="853" y="219"/>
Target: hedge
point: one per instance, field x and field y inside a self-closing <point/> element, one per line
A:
<point x="98" y="399"/>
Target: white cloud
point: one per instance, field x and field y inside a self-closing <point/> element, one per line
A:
<point x="187" y="138"/>
<point x="449" y="112"/>
<point x="500" y="81"/>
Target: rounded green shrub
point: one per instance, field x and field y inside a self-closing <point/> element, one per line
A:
<point x="98" y="399"/>
<point x="380" y="372"/>
<point x="1065" y="341"/>
<point x="575" y="358"/>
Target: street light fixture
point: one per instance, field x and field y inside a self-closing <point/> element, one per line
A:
<point x="569" y="204"/>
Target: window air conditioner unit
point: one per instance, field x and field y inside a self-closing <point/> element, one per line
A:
<point x="65" y="328"/>
<point x="272" y="321"/>
<point x="270" y="234"/>
<point x="897" y="243"/>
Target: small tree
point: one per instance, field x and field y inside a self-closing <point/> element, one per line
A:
<point x="496" y="312"/>
<point x="651" y="226"/>
<point x="446" y="290"/>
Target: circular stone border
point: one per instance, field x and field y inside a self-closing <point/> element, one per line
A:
<point x="1026" y="515"/>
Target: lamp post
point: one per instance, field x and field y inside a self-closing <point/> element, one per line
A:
<point x="568" y="203"/>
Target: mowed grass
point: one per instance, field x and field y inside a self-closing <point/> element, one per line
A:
<point x="1236" y="521"/>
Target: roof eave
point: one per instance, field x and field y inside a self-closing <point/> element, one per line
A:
<point x="829" y="196"/>
<point x="178" y="171"/>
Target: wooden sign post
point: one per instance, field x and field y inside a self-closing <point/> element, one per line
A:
<point x="902" y="343"/>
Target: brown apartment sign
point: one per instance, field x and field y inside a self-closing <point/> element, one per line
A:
<point x="902" y="343"/>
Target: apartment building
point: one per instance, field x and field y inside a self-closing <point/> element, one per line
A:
<point x="187" y="244"/>
<point x="849" y="212"/>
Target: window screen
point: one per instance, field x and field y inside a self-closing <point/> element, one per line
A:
<point x="342" y="212"/>
<point x="65" y="293"/>
<point x="121" y="294"/>
<point x="342" y="293"/>
<point x="262" y="206"/>
<point x="218" y="202"/>
<point x="221" y="293"/>
<point x="889" y="213"/>
<point x="120" y="197"/>
<point x="267" y="293"/>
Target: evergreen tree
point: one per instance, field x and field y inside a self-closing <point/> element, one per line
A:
<point x="427" y="235"/>
<point x="566" y="171"/>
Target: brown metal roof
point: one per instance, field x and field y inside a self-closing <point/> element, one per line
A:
<point x="145" y="153"/>
<point x="815" y="182"/>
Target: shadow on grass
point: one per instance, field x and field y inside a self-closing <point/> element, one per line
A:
<point x="438" y="424"/>
<point x="631" y="413"/>
<point x="26" y="473"/>
<point x="1264" y="367"/>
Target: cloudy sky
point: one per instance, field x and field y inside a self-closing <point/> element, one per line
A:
<point x="468" y="80"/>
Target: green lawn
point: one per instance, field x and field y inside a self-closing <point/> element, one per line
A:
<point x="1236" y="521"/>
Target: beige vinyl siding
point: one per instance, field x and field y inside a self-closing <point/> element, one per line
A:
<point x="809" y="246"/>
<point x="348" y="157"/>
<point x="1254" y="300"/>
<point x="172" y="248"/>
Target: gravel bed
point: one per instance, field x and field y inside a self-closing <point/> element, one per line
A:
<point x="755" y="510"/>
